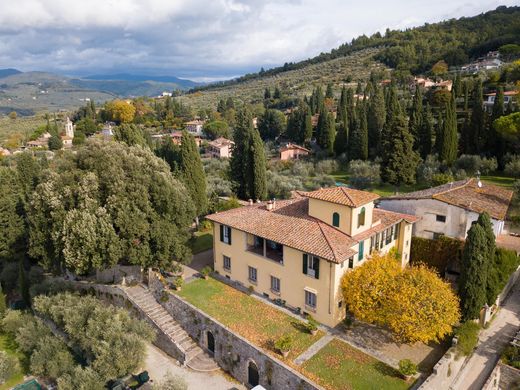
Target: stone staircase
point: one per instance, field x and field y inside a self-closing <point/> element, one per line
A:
<point x="195" y="357"/>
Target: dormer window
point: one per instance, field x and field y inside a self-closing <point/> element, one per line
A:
<point x="361" y="217"/>
<point x="335" y="219"/>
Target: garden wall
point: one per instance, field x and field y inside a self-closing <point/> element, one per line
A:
<point x="117" y="297"/>
<point x="232" y="352"/>
<point x="115" y="274"/>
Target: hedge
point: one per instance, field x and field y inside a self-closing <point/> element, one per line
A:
<point x="436" y="253"/>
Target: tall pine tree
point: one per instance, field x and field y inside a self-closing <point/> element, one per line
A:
<point x="359" y="137"/>
<point x="376" y="117"/>
<point x="238" y="164"/>
<point x="257" y="168"/>
<point x="477" y="137"/>
<point x="425" y="134"/>
<point x="192" y="172"/>
<point x="399" y="160"/>
<point x="416" y="115"/>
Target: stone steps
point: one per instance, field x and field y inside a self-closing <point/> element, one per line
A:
<point x="195" y="357"/>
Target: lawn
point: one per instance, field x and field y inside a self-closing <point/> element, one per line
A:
<point x="247" y="316"/>
<point x="338" y="366"/>
<point x="8" y="345"/>
<point x="202" y="241"/>
<point x="382" y="189"/>
<point x="499" y="180"/>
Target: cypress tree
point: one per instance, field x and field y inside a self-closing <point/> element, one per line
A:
<point x="399" y="161"/>
<point x="327" y="133"/>
<point x="306" y="124"/>
<point x="257" y="167"/>
<point x="277" y="93"/>
<point x="221" y="106"/>
<point x="3" y="303"/>
<point x="425" y="134"/>
<point x="359" y="138"/>
<point x="192" y="172"/>
<point x="342" y="107"/>
<point x="238" y="164"/>
<point x="477" y="124"/>
<point x="376" y="117"/>
<point x="329" y="93"/>
<point x="498" y="104"/>
<point x="341" y="141"/>
<point x="457" y="85"/>
<point x="267" y="93"/>
<point x="23" y="285"/>
<point x="473" y="281"/>
<point x="449" y="141"/>
<point x="491" y="289"/>
<point x="416" y="115"/>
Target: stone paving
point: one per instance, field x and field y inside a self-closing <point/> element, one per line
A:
<point x="313" y="349"/>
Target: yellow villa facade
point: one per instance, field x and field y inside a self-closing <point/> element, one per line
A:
<point x="297" y="250"/>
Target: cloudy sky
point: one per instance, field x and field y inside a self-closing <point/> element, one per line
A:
<point x="198" y="39"/>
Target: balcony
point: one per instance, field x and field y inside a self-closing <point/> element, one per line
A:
<point x="266" y="248"/>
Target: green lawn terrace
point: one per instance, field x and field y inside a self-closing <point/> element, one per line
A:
<point x="338" y="366"/>
<point x="331" y="367"/>
<point x="8" y="345"/>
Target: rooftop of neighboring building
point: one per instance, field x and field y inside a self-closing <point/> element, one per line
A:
<point x="469" y="194"/>
<point x="291" y="146"/>
<point x="221" y="142"/>
<point x="342" y="195"/>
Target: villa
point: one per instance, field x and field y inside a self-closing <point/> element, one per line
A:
<point x="297" y="250"/>
<point x="450" y="209"/>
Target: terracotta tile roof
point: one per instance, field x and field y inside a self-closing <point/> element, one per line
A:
<point x="293" y="146"/>
<point x="468" y="195"/>
<point x="342" y="195"/>
<point x="289" y="224"/>
<point x="383" y="219"/>
<point x="221" y="142"/>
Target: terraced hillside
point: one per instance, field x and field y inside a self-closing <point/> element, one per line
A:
<point x="300" y="82"/>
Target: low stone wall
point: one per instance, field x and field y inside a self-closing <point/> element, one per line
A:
<point x="445" y="371"/>
<point x="116" y="273"/>
<point x="233" y="353"/>
<point x="117" y="297"/>
<point x="509" y="377"/>
<point x="510" y="283"/>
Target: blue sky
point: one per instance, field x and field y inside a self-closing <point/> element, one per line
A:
<point x="197" y="39"/>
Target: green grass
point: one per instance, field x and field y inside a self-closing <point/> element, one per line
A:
<point x="202" y="241"/>
<point x="499" y="180"/>
<point x="8" y="345"/>
<point x="258" y="322"/>
<point x="382" y="189"/>
<point x="339" y="366"/>
<point x="24" y="126"/>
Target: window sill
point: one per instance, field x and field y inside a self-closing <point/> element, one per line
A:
<point x="275" y="292"/>
<point x="227" y="269"/>
<point x="252" y="281"/>
<point x="310" y="308"/>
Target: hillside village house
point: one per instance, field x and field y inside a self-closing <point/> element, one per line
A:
<point x="177" y="138"/>
<point x="297" y="250"/>
<point x="293" y="151"/>
<point x="194" y="127"/>
<point x="220" y="148"/>
<point x="450" y="209"/>
<point x="490" y="100"/>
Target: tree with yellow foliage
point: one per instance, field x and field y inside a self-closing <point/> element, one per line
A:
<point x="120" y="111"/>
<point x="414" y="303"/>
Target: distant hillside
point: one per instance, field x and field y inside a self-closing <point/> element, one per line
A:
<point x="346" y="70"/>
<point x="8" y="72"/>
<point x="29" y="92"/>
<point x="182" y="83"/>
<point x="129" y="88"/>
<point x="456" y="41"/>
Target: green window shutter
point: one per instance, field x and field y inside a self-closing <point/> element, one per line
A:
<point x="221" y="233"/>
<point x="305" y="263"/>
<point x="317" y="268"/>
<point x="361" y="249"/>
<point x="230" y="231"/>
<point x="335" y="220"/>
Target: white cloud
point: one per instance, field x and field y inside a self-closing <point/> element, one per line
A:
<point x="197" y="38"/>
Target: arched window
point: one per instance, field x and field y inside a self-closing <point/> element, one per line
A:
<point x="335" y="219"/>
<point x="361" y="217"/>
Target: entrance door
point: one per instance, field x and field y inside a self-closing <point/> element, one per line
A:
<point x="211" y="342"/>
<point x="252" y="374"/>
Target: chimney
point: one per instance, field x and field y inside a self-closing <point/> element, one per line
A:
<point x="250" y="202"/>
<point x="274" y="203"/>
<point x="269" y="206"/>
<point x="258" y="201"/>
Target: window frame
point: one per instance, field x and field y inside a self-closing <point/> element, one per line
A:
<point x="312" y="302"/>
<point x="277" y="281"/>
<point x="250" y="272"/>
<point x="335" y="219"/>
<point x="224" y="258"/>
<point x="440" y="218"/>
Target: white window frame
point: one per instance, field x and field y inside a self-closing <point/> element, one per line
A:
<point x="311" y="299"/>
<point x="311" y="271"/>
<point x="252" y="271"/>
<point x="227" y="268"/>
<point x="226" y="234"/>
<point x="275" y="284"/>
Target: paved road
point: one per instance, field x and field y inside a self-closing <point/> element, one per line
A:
<point x="492" y="341"/>
<point x="158" y="364"/>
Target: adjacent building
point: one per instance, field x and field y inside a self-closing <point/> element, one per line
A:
<point x="220" y="148"/>
<point x="293" y="151"/>
<point x="450" y="209"/>
<point x="194" y="127"/>
<point x="297" y="250"/>
<point x="509" y="97"/>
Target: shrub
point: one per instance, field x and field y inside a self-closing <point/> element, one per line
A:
<point x="178" y="282"/>
<point x="206" y="271"/>
<point x="284" y="343"/>
<point x="364" y="174"/>
<point x="326" y="167"/>
<point x="312" y="324"/>
<point x="436" y="253"/>
<point x="407" y="367"/>
<point x="427" y="169"/>
<point x="205" y="226"/>
<point x="467" y="335"/>
<point x="164" y="296"/>
<point x="8" y="365"/>
<point x="473" y="163"/>
<point x="441" y="178"/>
<point x="511" y="356"/>
<point x="512" y="168"/>
<point x="488" y="165"/>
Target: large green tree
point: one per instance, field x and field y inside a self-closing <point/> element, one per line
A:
<point x="449" y="141"/>
<point x="416" y="115"/>
<point x="425" y="134"/>
<point x="477" y="127"/>
<point x="399" y="160"/>
<point x="191" y="172"/>
<point x="271" y="124"/>
<point x="376" y="117"/>
<point x="135" y="210"/>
